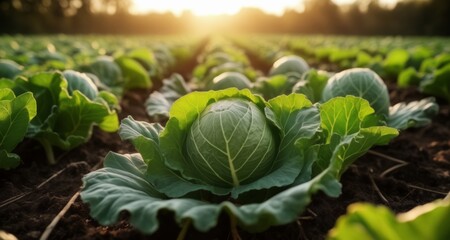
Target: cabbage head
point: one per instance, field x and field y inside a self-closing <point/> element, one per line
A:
<point x="365" y="83"/>
<point x="217" y="147"/>
<point x="231" y="79"/>
<point x="232" y="153"/>
<point x="361" y="82"/>
<point x="289" y="65"/>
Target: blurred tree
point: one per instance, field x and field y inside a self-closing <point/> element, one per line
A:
<point x="363" y="17"/>
<point x="324" y="16"/>
<point x="440" y="11"/>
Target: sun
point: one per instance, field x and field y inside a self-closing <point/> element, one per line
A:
<point x="212" y="7"/>
<point x="219" y="7"/>
<point x="197" y="7"/>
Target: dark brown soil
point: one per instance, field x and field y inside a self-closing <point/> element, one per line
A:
<point x="424" y="178"/>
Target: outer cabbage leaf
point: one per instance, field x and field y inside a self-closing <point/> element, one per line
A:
<point x="9" y="68"/>
<point x="157" y="106"/>
<point x="159" y="102"/>
<point x="134" y="74"/>
<point x="350" y="128"/>
<point x="438" y="84"/>
<point x="276" y="85"/>
<point x="409" y="77"/>
<point x="312" y="84"/>
<point x="15" y="115"/>
<point x="144" y="136"/>
<point x="413" y="114"/>
<point x="396" y="61"/>
<point x="145" y="57"/>
<point x="108" y="72"/>
<point x="81" y="82"/>
<point x="72" y="124"/>
<point x="366" y="221"/>
<point x="123" y="186"/>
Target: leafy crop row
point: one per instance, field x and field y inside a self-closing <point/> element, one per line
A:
<point x="232" y="140"/>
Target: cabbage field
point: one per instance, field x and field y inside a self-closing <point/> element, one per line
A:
<point x="224" y="137"/>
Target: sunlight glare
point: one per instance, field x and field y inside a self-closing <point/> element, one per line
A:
<point x="213" y="7"/>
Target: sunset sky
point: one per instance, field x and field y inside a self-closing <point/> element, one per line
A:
<point x="216" y="7"/>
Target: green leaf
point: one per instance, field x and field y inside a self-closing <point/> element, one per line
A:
<point x="81" y="82"/>
<point x="144" y="136"/>
<point x="8" y="160"/>
<point x="159" y="102"/>
<point x="345" y="115"/>
<point x="134" y="74"/>
<point x="62" y="120"/>
<point x="438" y="84"/>
<point x="298" y="123"/>
<point x="312" y="84"/>
<point x="73" y="123"/>
<point x="15" y="115"/>
<point x="107" y="71"/>
<point x="350" y="128"/>
<point x="108" y="99"/>
<point x="276" y="85"/>
<point x="122" y="186"/>
<point x="408" y="77"/>
<point x="341" y="152"/>
<point x="367" y="221"/>
<point x="144" y="56"/>
<point x="158" y="106"/>
<point x="47" y="88"/>
<point x="396" y="61"/>
<point x="413" y="114"/>
<point x="9" y="69"/>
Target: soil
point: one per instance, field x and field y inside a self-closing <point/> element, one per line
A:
<point x="45" y="190"/>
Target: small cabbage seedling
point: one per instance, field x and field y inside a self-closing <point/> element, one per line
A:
<point x="231" y="152"/>
<point x="365" y="83"/>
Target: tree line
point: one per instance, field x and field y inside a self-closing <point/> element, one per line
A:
<point x="364" y="17"/>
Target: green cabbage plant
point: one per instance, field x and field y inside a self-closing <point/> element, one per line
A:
<point x="231" y="152"/>
<point x="365" y="83"/>
<point x="367" y="221"/>
<point x="284" y="74"/>
<point x="289" y="65"/>
<point x="231" y="79"/>
<point x="438" y="83"/>
<point x="9" y="68"/>
<point x="68" y="107"/>
<point x="15" y="115"/>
